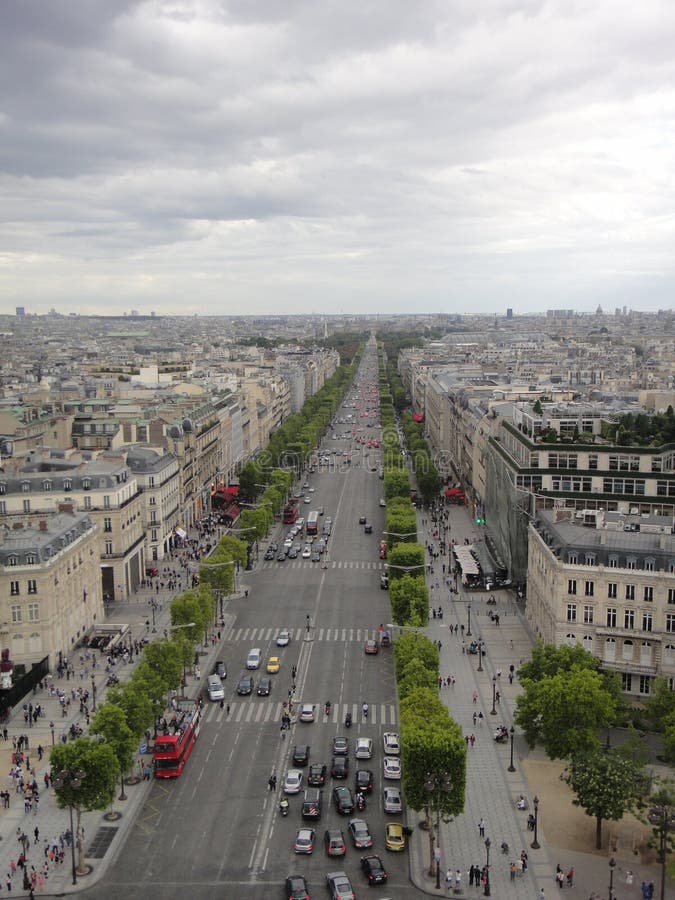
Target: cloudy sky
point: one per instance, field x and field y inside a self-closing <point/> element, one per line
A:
<point x="234" y="156"/>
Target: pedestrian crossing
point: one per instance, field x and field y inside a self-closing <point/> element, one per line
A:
<point x="258" y="636"/>
<point x="378" y="565"/>
<point x="258" y="710"/>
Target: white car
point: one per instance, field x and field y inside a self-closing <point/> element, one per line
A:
<point x="306" y="713"/>
<point x="391" y="767"/>
<point x="391" y="800"/>
<point x="364" y="748"/>
<point x="283" y="638"/>
<point x="391" y="744"/>
<point x="382" y="502"/>
<point x="293" y="781"/>
<point x="307" y="500"/>
<point x="306" y="552"/>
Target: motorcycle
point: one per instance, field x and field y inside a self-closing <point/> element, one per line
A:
<point x="112" y="679"/>
<point x="348" y="720"/>
<point x="365" y="710"/>
<point x="360" y="803"/>
<point x="327" y="707"/>
<point x="283" y="807"/>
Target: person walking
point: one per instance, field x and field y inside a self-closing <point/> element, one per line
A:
<point x="481" y="828"/>
<point x="448" y="881"/>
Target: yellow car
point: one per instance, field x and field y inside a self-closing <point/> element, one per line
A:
<point x="273" y="664"/>
<point x="394" y="838"/>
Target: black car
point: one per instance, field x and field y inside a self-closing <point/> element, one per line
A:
<point x="316" y="777"/>
<point x="269" y="554"/>
<point x="367" y="528"/>
<point x="264" y="687"/>
<point x="220" y="670"/>
<point x="343" y="800"/>
<point x="339" y="767"/>
<point x="296" y="888"/>
<point x="293" y="553"/>
<point x="301" y="755"/>
<point x="281" y="557"/>
<point x="245" y="685"/>
<point x="362" y="520"/>
<point x="363" y="781"/>
<point x="373" y="869"/>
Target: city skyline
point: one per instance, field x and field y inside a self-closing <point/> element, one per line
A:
<point x="229" y="158"/>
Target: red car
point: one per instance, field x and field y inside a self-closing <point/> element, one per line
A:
<point x="371" y="648"/>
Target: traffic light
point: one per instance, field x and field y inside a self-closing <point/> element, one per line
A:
<point x="480" y="520"/>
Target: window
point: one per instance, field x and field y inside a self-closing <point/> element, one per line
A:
<point x="154" y="535"/>
<point x="26" y="506"/>
<point x="670" y="623"/>
<point x="589" y="588"/>
<point x="46" y="486"/>
<point x="631" y="562"/>
<point x="629" y="618"/>
<point x="650" y="564"/>
<point x="13" y="560"/>
<point x="32" y="586"/>
<point x="611" y="617"/>
<point x="571" y="612"/>
<point x="614" y="562"/>
<point x="14" y="588"/>
<point x="645" y="684"/>
<point x="630" y="592"/>
<point x="647" y="621"/>
<point x="671" y="596"/>
<point x="25" y="486"/>
<point x="626" y="682"/>
<point x="153" y="501"/>
<point x="612" y="590"/>
<point x="3" y="507"/>
<point x="67" y="484"/>
<point x="572" y="559"/>
<point x="572" y="586"/>
<point x="107" y="524"/>
<point x="151" y="481"/>
<point x="86" y="484"/>
<point x="590" y="559"/>
<point x="16" y="613"/>
<point x="648" y="594"/>
<point x="669" y="655"/>
<point x="106" y="501"/>
<point x="627" y="650"/>
<point x="592" y="460"/>
<point x="31" y="559"/>
<point x="588" y="615"/>
<point x="87" y="502"/>
<point x="33" y="612"/>
<point x="108" y="548"/>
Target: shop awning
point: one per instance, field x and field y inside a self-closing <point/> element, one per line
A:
<point x="181" y="534"/>
<point x="465" y="559"/>
<point x="232" y="512"/>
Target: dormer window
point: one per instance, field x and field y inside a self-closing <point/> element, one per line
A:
<point x="3" y="487"/>
<point x="13" y="560"/>
<point x="86" y="484"/>
<point x="67" y="484"/>
<point x="31" y="559"/>
<point x="46" y="486"/>
<point x="25" y="486"/>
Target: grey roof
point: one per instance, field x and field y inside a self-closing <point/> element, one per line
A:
<point x="42" y="543"/>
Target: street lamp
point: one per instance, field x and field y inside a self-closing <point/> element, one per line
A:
<point x="612" y="864"/>
<point x="468" y="620"/>
<point x="662" y="817"/>
<point x="493" y="711"/>
<point x="72" y="781"/>
<point x="437" y="784"/>
<point x="480" y="657"/>
<point x="512" y="731"/>
<point x="535" y="843"/>
<point x="486" y="892"/>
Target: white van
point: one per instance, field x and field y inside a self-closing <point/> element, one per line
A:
<point x="215" y="688"/>
<point x="253" y="658"/>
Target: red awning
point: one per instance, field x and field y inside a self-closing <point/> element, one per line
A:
<point x="418" y="417"/>
<point x="232" y="490"/>
<point x="232" y="511"/>
<point x="454" y="492"/>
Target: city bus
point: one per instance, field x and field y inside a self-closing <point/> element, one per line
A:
<point x="313" y="522"/>
<point x="173" y="748"/>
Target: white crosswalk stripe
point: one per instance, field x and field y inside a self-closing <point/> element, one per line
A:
<point x="252" y="710"/>
<point x="257" y="636"/>
<point x="332" y="564"/>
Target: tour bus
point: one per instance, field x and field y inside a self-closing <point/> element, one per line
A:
<point x="313" y="522"/>
<point x="174" y="746"/>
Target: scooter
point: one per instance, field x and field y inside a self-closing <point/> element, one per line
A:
<point x="348" y="720"/>
<point x="327" y="707"/>
<point x="283" y="807"/>
<point x="360" y="803"/>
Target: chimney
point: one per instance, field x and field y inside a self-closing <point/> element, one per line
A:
<point x="17" y="526"/>
<point x="66" y="508"/>
<point x="43" y="525"/>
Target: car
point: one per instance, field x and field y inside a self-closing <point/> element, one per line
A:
<point x="253" y="658"/>
<point x="306" y="552"/>
<point x="311" y="490"/>
<point x="361" y="837"/>
<point x="382" y="503"/>
<point x="264" y="687"/>
<point x="339" y="767"/>
<point x="304" y="840"/>
<point x="367" y="528"/>
<point x="273" y="547"/>
<point x="293" y="781"/>
<point x="306" y="485"/>
<point x="296" y="888"/>
<point x="384" y="582"/>
<point x="340" y="886"/>
<point x="316" y="556"/>
<point x="220" y="669"/>
<point x="307" y="500"/>
<point x="293" y="553"/>
<point x="371" y="648"/>
<point x="273" y="665"/>
<point x="245" y="686"/>
<point x="311" y="804"/>
<point x="391" y="768"/>
<point x="288" y="543"/>
<point x="214" y="687"/>
<point x="394" y="836"/>
<point x="269" y="554"/>
<point x="316" y="776"/>
<point x="343" y="800"/>
<point x="373" y="869"/>
<point x="364" y="748"/>
<point x="340" y="745"/>
<point x="391" y="800"/>
<point x="391" y="744"/>
<point x="306" y="713"/>
<point x="334" y="842"/>
<point x="281" y="557"/>
<point x="301" y="755"/>
<point x="283" y="638"/>
<point x="362" y="520"/>
<point x="363" y="781"/>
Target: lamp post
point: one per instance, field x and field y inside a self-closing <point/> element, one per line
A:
<point x="93" y="694"/>
<point x="535" y="843"/>
<point x="512" y="731"/>
<point x="153" y="607"/>
<point x="662" y="817"/>
<point x="437" y="783"/>
<point x="486" y="892"/>
<point x="493" y="711"/>
<point x="51" y="728"/>
<point x="480" y="657"/>
<point x="72" y="782"/>
<point x="612" y="864"/>
<point x="468" y="620"/>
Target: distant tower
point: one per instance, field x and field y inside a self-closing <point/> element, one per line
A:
<point x="20" y="311"/>
<point x="509" y="313"/>
<point x="325" y="328"/>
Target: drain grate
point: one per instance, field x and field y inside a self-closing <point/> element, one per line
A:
<point x="101" y="841"/>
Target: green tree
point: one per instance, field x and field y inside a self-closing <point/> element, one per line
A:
<point x="84" y="773"/>
<point x="415" y="676"/>
<point x="165" y="661"/>
<point x="405" y="559"/>
<point x="658" y="810"/>
<point x="148" y="685"/>
<point x="110" y="722"/>
<point x="669" y="739"/>
<point x="396" y="483"/>
<point x="548" y="659"/>
<point x="413" y="645"/>
<point x="409" y="599"/>
<point x="606" y="783"/>
<point x="253" y="524"/>
<point x="660" y="705"/>
<point x="564" y="712"/>
<point x="135" y="704"/>
<point x="187" y="612"/>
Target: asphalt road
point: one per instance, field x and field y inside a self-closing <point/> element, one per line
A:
<point x="216" y="831"/>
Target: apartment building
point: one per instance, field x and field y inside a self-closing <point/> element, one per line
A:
<point x="606" y="581"/>
<point x="158" y="475"/>
<point x="50" y="584"/>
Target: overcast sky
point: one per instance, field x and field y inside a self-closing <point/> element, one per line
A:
<point x="258" y="156"/>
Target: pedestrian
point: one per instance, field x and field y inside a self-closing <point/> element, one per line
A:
<point x="475" y="716"/>
<point x="472" y="740"/>
<point x="448" y="880"/>
<point x="519" y="867"/>
<point x="542" y="895"/>
<point x="629" y="877"/>
<point x="512" y="871"/>
<point x="481" y="828"/>
<point x="559" y="876"/>
<point x="458" y="882"/>
<point x="475" y="697"/>
<point x="36" y="832"/>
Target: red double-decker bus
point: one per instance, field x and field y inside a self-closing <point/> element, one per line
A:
<point x="290" y="512"/>
<point x="173" y="748"/>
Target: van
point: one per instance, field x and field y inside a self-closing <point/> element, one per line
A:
<point x="253" y="658"/>
<point x="311" y="804"/>
<point x="215" y="688"/>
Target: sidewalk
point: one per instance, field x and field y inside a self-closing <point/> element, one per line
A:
<point x="104" y="833"/>
<point x="491" y="790"/>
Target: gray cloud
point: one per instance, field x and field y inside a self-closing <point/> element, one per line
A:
<point x="393" y="156"/>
